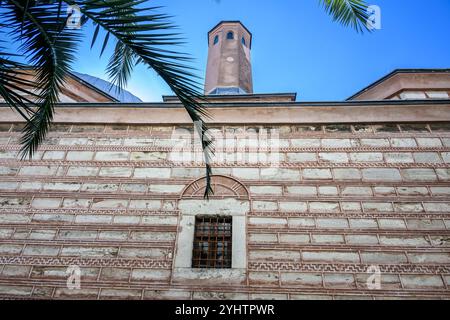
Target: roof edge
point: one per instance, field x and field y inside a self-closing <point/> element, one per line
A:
<point x="98" y="90"/>
<point x="393" y="73"/>
<point x="293" y="95"/>
<point x="342" y="104"/>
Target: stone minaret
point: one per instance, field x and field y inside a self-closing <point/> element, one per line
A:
<point x="229" y="69"/>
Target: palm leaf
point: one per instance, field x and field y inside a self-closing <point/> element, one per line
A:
<point x="144" y="36"/>
<point x="15" y="88"/>
<point x="348" y="12"/>
<point x="49" y="49"/>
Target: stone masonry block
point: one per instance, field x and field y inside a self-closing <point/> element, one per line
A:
<point x="145" y="204"/>
<point x="336" y="143"/>
<point x="38" y="170"/>
<point x="302" y="157"/>
<point x="302" y="190"/>
<point x="375" y="142"/>
<point x="152" y="173"/>
<point x="399" y="157"/>
<point x="350" y="206"/>
<point x="276" y="190"/>
<point x="40" y="250"/>
<point x="403" y="143"/>
<point x="76" y="203"/>
<point x="305" y="143"/>
<point x="408" y="207"/>
<point x="412" y="191"/>
<point x="347" y="174"/>
<point x="294" y="238"/>
<point x="148" y="156"/>
<point x="428" y="157"/>
<point x="246" y="173"/>
<point x="419" y="174"/>
<point x="293" y="206"/>
<point x="46" y="203"/>
<point x="100" y="187"/>
<point x="216" y="206"/>
<point x="363" y="223"/>
<point x="80" y="155"/>
<point x="109" y="204"/>
<point x="274" y="255"/>
<point x="429" y="142"/>
<point x="366" y="157"/>
<point x="317" y="174"/>
<point x="263" y="237"/>
<point x="333" y="157"/>
<point x="111" y="156"/>
<point x="53" y="155"/>
<point x="301" y="279"/>
<point x="93" y="219"/>
<point x="378" y="207"/>
<point x="379" y="174"/>
<point x="264" y="278"/>
<point x="328" y="191"/>
<point x="265" y="205"/>
<point x="357" y="191"/>
<point x="301" y="223"/>
<point x="275" y="174"/>
<point x="330" y="256"/>
<point x="391" y="224"/>
<point x="425" y="224"/>
<point x="383" y="258"/>
<point x="187" y="172"/>
<point x="120" y="172"/>
<point x="332" y="223"/>
<point x="437" y="207"/>
<point x="422" y="281"/>
<point x="150" y="275"/>
<point x="327" y="238"/>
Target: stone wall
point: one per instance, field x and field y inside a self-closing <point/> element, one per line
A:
<point x="343" y="198"/>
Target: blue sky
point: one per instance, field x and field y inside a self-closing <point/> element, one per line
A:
<point x="298" y="48"/>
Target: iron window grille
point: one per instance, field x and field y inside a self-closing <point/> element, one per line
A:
<point x="212" y="242"/>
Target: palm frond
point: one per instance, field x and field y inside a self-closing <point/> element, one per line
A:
<point x="145" y="36"/>
<point x="122" y="61"/>
<point x="49" y="49"/>
<point x="15" y="89"/>
<point x="348" y="12"/>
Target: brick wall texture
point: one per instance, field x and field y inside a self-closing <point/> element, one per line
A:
<point x="344" y="198"/>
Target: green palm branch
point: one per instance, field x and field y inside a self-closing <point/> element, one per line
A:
<point x="348" y="12"/>
<point x="142" y="36"/>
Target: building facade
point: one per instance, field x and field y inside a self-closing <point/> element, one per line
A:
<point x="339" y="200"/>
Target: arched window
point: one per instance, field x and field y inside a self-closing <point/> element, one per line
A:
<point x="243" y="41"/>
<point x="216" y="39"/>
<point x="230" y="35"/>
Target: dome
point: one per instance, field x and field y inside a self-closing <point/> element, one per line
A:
<point x="109" y="88"/>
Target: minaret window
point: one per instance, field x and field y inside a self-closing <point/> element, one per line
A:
<point x="216" y="39"/>
<point x="230" y="35"/>
<point x="243" y="41"/>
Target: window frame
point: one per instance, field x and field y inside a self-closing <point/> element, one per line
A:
<point x="182" y="262"/>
